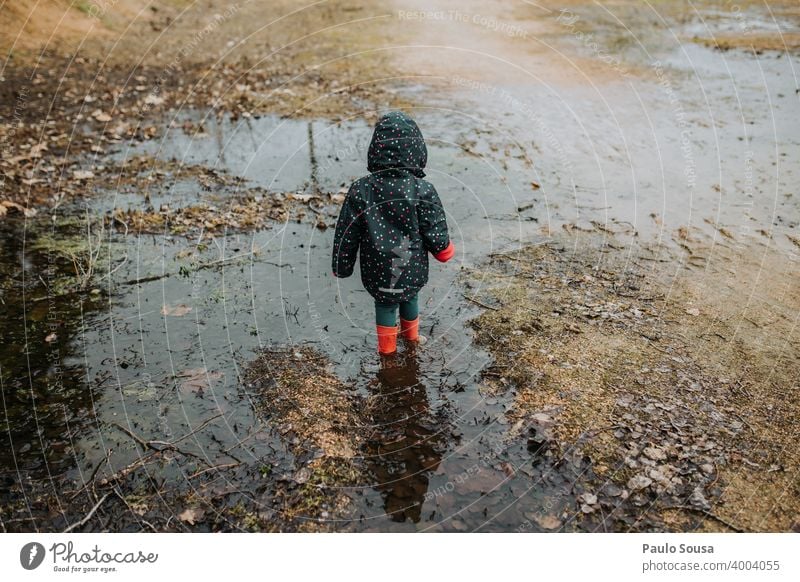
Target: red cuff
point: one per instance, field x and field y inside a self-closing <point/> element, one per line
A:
<point x="446" y="254"/>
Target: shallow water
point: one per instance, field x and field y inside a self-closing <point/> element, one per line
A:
<point x="160" y="372"/>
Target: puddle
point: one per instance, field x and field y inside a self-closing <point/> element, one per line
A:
<point x="162" y="356"/>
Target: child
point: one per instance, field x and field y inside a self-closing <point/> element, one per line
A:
<point x="395" y="218"/>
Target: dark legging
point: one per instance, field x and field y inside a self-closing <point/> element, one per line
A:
<point x="386" y="313"/>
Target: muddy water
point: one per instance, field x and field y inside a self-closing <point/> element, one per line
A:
<point x="624" y="119"/>
<point x="164" y="355"/>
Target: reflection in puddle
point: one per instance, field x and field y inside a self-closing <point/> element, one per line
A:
<point x="408" y="441"/>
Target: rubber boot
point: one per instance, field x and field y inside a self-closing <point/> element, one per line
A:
<point x="387" y="339"/>
<point x="410" y="329"/>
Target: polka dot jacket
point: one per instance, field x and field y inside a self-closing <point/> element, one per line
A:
<point x="392" y="217"/>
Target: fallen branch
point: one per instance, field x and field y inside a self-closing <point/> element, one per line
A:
<point x="476" y="302"/>
<point x="162" y="446"/>
<point x="127" y="469"/>
<point x="217" y="467"/>
<point x="159" y="446"/>
<point x="202" y="426"/>
<point x="90" y="480"/>
<point x="709" y="515"/>
<point x="89" y="515"/>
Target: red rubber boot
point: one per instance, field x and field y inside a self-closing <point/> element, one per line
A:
<point x="410" y="329"/>
<point x="387" y="339"/>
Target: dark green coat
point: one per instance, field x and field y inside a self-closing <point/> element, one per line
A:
<point x="393" y="216"/>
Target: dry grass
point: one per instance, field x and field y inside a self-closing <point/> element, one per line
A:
<point x="626" y="356"/>
<point x="313" y="410"/>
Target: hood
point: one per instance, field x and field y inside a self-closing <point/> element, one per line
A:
<point x="397" y="144"/>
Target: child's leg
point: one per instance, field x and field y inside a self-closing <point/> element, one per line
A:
<point x="386" y="325"/>
<point x="409" y="319"/>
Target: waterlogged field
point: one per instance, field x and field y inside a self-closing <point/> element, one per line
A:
<point x="613" y="348"/>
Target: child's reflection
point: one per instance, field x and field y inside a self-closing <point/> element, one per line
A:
<point x="404" y="445"/>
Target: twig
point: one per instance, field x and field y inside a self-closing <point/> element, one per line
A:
<point x="747" y="424"/>
<point x="135" y="437"/>
<point x="225" y="260"/>
<point x="127" y="469"/>
<point x="128" y="505"/>
<point x="164" y="445"/>
<point x="217" y="467"/>
<point x="708" y="514"/>
<point x="202" y="426"/>
<point x="90" y="480"/>
<point x="88" y="515"/>
<point x="476" y="302"/>
<point x="596" y="431"/>
<point x="507" y="255"/>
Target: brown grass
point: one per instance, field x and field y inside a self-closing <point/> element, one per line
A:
<point x="601" y="340"/>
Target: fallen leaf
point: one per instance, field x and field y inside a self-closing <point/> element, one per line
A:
<point x="82" y="174"/>
<point x="638" y="482"/>
<point x="175" y="310"/>
<point x="191" y="515"/>
<point x="655" y="453"/>
<point x="302" y="476"/>
<point x="548" y="522"/>
<point x="197" y="379"/>
<point x="102" y="117"/>
<point x="7" y="205"/>
<point x="153" y="99"/>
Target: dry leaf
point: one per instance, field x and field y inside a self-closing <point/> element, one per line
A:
<point x="197" y="379"/>
<point x="191" y="515"/>
<point x="175" y="310"/>
<point x="548" y="522"/>
<point x="101" y="116"/>
<point x="82" y="174"/>
<point x="507" y="469"/>
<point x="153" y="99"/>
<point x="7" y="205"/>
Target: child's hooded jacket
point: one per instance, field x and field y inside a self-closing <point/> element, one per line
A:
<point x="393" y="216"/>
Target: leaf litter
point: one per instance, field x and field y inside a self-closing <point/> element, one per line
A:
<point x="652" y="399"/>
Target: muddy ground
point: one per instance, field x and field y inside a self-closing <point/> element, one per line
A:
<point x="615" y="348"/>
